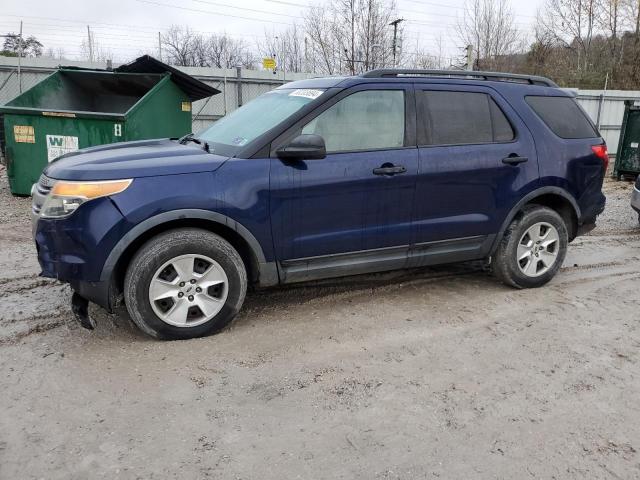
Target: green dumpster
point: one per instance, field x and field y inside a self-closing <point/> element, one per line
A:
<point x="77" y="108"/>
<point x="628" y="155"/>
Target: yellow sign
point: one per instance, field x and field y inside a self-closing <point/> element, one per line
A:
<point x="24" y="134"/>
<point x="269" y="63"/>
<point x="186" y="106"/>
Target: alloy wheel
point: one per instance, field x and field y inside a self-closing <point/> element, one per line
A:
<point x="538" y="249"/>
<point x="188" y="290"/>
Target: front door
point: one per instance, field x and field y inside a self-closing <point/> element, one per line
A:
<point x="350" y="212"/>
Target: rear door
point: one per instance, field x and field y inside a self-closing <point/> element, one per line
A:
<point x="475" y="158"/>
<point x="351" y="211"/>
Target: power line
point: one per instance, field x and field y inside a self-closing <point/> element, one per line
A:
<point x="441" y="5"/>
<point x="419" y="2"/>
<point x="208" y="12"/>
<point x="246" y="9"/>
<point x="118" y="27"/>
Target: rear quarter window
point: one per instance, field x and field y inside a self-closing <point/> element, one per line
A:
<point x="563" y="116"/>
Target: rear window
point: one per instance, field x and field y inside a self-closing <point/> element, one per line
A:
<point x="563" y="116"/>
<point x="459" y="118"/>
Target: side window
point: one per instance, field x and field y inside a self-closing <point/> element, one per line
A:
<point x="563" y="116"/>
<point x="367" y="120"/>
<point x="459" y="118"/>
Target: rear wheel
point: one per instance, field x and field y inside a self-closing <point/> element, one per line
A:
<point x="184" y="284"/>
<point x="533" y="248"/>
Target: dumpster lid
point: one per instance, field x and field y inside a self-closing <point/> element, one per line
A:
<point x="194" y="88"/>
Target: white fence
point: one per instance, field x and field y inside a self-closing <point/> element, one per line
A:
<point x="606" y="109"/>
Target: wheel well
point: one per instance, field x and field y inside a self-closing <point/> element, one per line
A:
<point x="234" y="238"/>
<point x="563" y="207"/>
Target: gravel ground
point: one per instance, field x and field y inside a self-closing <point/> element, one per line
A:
<point x="619" y="216"/>
<point x="435" y="373"/>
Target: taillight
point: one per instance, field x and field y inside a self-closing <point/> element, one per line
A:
<point x="600" y="151"/>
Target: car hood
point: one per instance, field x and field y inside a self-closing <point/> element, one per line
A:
<point x="144" y="158"/>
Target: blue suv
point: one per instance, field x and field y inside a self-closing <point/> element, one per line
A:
<point x="323" y="178"/>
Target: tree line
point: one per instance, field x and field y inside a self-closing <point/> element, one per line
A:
<point x="341" y="36"/>
<point x="578" y="43"/>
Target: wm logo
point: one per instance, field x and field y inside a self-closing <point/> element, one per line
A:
<point x="55" y="141"/>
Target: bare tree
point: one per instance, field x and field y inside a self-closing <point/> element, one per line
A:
<point x="425" y="61"/>
<point x="631" y="13"/>
<point x="543" y="47"/>
<point x="322" y="48"/>
<point x="95" y="51"/>
<point x="349" y="36"/>
<point x="376" y="34"/>
<point x="186" y="48"/>
<point x="222" y="51"/>
<point x="180" y="46"/>
<point x="489" y="27"/>
<point x="611" y="19"/>
<point x="572" y="23"/>
<point x="57" y="54"/>
<point x="289" y="48"/>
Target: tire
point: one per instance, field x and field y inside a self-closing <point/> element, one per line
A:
<point x="188" y="304"/>
<point x="531" y="231"/>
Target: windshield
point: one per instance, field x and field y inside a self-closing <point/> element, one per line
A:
<point x="229" y="134"/>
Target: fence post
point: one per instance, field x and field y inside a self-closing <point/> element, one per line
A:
<point x="600" y="103"/>
<point x="239" y="85"/>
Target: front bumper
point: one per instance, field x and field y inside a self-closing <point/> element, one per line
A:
<point x="635" y="199"/>
<point x="74" y="249"/>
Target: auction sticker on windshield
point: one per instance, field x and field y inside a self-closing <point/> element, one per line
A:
<point x="307" y="93"/>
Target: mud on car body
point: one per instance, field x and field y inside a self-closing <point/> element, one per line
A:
<point x="324" y="178"/>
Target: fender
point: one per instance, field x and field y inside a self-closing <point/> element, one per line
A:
<point x="268" y="270"/>
<point x="526" y="199"/>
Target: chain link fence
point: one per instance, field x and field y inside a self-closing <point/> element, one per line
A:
<point x="236" y="90"/>
<point x="10" y="82"/>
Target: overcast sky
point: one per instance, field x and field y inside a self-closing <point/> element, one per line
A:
<point x="130" y="27"/>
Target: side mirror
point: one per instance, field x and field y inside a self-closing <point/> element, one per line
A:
<point x="303" y="147"/>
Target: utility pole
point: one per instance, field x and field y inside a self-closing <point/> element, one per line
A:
<point x="20" y="45"/>
<point x="90" y="44"/>
<point x="394" y="46"/>
<point x="159" y="46"/>
<point x="469" y="57"/>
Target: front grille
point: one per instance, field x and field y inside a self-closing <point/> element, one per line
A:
<point x="46" y="182"/>
<point x="43" y="187"/>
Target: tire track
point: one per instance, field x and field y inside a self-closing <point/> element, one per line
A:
<point x="4" y="281"/>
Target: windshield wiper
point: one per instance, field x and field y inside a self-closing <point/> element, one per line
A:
<point x="190" y="137"/>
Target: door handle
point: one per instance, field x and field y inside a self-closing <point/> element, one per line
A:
<point x="514" y="159"/>
<point x="389" y="170"/>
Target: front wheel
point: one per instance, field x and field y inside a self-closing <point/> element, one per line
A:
<point x="533" y="248"/>
<point x="185" y="283"/>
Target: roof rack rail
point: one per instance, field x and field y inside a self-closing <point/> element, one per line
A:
<point x="462" y="74"/>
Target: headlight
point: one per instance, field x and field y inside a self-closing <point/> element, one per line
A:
<point x="65" y="197"/>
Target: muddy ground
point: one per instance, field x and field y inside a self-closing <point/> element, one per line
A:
<point x="438" y="373"/>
